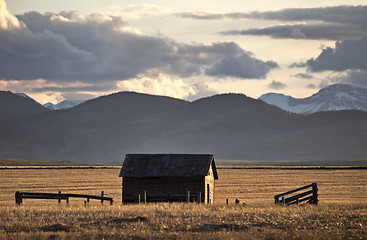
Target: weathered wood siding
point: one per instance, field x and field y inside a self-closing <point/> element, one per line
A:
<point x="209" y="186"/>
<point x="209" y="189"/>
<point x="167" y="189"/>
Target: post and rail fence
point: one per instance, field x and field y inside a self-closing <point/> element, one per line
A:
<point x="310" y="196"/>
<point x="19" y="196"/>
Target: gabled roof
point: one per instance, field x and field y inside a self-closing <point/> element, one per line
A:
<point x="167" y="165"/>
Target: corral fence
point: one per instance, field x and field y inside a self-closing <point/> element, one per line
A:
<point x="309" y="196"/>
<point x="19" y="196"/>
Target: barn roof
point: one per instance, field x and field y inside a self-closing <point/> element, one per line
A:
<point x="167" y="165"/>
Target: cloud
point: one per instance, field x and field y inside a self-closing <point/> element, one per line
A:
<point x="243" y="66"/>
<point x="77" y="96"/>
<point x="311" y="86"/>
<point x="167" y="86"/>
<point x="355" y="77"/>
<point x="144" y="9"/>
<point x="201" y="90"/>
<point x="276" y="85"/>
<point x="348" y="54"/>
<point x="7" y="20"/>
<point x="21" y="86"/>
<point x="303" y="76"/>
<point x="335" y="23"/>
<point x="137" y="11"/>
<point x="73" y="87"/>
<point x="305" y="31"/>
<point x="69" y="47"/>
<point x="213" y="15"/>
<point x="335" y="14"/>
<point x="298" y="65"/>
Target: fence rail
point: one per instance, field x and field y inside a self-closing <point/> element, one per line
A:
<point x="310" y="196"/>
<point x="19" y="196"/>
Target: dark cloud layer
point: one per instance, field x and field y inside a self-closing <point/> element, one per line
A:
<point x="305" y="31"/>
<point x="98" y="48"/>
<point x="335" y="23"/>
<point x="348" y="54"/>
<point x="243" y="66"/>
<point x="336" y="14"/>
<point x="355" y="77"/>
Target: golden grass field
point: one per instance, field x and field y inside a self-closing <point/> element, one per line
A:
<point x="341" y="213"/>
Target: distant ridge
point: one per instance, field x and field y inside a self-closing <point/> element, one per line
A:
<point x="13" y="106"/>
<point x="230" y="126"/>
<point x="335" y="97"/>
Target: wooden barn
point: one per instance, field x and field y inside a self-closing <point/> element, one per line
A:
<point x="168" y="178"/>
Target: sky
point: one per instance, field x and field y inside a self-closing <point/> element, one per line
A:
<point x="78" y="50"/>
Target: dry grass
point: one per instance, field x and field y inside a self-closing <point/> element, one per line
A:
<point x="22" y="163"/>
<point x="183" y="221"/>
<point x="341" y="214"/>
<point x="260" y="185"/>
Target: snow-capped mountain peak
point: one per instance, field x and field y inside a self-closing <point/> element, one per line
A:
<point x="335" y="97"/>
<point x="23" y="95"/>
<point x="50" y="106"/>
<point x="66" y="104"/>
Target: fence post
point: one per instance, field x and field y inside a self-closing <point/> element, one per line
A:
<point x="237" y="201"/>
<point x="139" y="199"/>
<point x="283" y="200"/>
<point x="188" y="196"/>
<point x="227" y="201"/>
<point x="276" y="199"/>
<point x="102" y="194"/>
<point x="17" y="198"/>
<point x="145" y="197"/>
<point x="314" y="193"/>
<point x="59" y="197"/>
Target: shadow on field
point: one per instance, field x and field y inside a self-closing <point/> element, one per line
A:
<point x="219" y="227"/>
<point x="55" y="228"/>
<point x="127" y="220"/>
<point x="86" y="223"/>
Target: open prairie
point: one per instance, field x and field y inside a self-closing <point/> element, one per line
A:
<point x="341" y="213"/>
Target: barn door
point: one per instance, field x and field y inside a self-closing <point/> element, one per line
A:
<point x="208" y="192"/>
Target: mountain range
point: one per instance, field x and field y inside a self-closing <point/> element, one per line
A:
<point x="335" y="97"/>
<point x="332" y="98"/>
<point x="230" y="126"/>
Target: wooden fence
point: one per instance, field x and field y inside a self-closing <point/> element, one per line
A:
<point x="19" y="196"/>
<point x="310" y="196"/>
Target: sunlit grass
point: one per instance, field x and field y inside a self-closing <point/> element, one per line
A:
<point x="182" y="221"/>
<point x="341" y="213"/>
